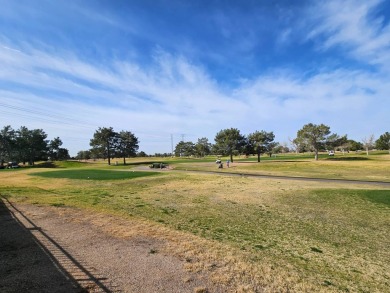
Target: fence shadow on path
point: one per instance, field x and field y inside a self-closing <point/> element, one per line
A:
<point x="32" y="261"/>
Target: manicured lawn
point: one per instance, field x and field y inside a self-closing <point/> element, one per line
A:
<point x="93" y="174"/>
<point x="307" y="236"/>
<point x="352" y="167"/>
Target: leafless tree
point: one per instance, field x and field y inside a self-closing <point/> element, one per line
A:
<point x="368" y="142"/>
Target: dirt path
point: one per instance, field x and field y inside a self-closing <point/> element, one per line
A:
<point x="58" y="249"/>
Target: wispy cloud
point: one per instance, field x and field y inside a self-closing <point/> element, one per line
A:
<point x="173" y="95"/>
<point x="356" y="26"/>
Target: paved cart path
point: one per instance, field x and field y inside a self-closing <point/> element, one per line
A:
<point x="243" y="174"/>
<point x="268" y="176"/>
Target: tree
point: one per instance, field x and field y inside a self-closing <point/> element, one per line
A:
<point x="368" y="142"/>
<point x="83" y="155"/>
<point x="280" y="148"/>
<point x="97" y="152"/>
<point x="21" y="137"/>
<point x="293" y="145"/>
<point x="383" y="142"/>
<point x="25" y="145"/>
<point x="7" y="142"/>
<point x="261" y="142"/>
<point x="202" y="147"/>
<point x="228" y="141"/>
<point x="298" y="145"/>
<point x="127" y="145"/>
<point x="271" y="148"/>
<point x="142" y="154"/>
<point x="104" y="142"/>
<point x="335" y="141"/>
<point x="63" y="154"/>
<point x="54" y="148"/>
<point x="277" y="149"/>
<point x="31" y="145"/>
<point x="284" y="147"/>
<point x="354" y="145"/>
<point x="185" y="149"/>
<point x="314" y="136"/>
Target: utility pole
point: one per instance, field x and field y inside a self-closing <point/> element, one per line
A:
<point x="171" y="145"/>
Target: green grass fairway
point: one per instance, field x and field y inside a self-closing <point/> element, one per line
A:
<point x="94" y="174"/>
<point x="287" y="236"/>
<point x="351" y="167"/>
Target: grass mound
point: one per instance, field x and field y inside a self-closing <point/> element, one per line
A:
<point x="91" y="174"/>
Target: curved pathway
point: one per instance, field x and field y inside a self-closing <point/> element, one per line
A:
<point x="242" y="174"/>
<point x="348" y="181"/>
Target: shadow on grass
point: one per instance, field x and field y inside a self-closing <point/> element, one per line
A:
<point x="141" y="163"/>
<point x="32" y="261"/>
<point x="61" y="164"/>
<point x="94" y="174"/>
<point x="377" y="196"/>
<point x="271" y="161"/>
<point x="348" y="159"/>
<point x="46" y="165"/>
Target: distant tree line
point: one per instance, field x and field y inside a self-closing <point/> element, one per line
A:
<point x="230" y="142"/>
<point x="310" y="138"/>
<point x="28" y="146"/>
<point x="107" y="144"/>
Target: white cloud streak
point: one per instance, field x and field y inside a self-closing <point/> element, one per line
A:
<point x="171" y="97"/>
<point x="353" y="25"/>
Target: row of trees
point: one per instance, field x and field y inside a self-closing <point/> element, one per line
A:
<point x="229" y="142"/>
<point x="107" y="143"/>
<point x="310" y="137"/>
<point x="28" y="146"/>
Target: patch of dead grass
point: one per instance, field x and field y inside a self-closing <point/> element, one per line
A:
<point x="290" y="266"/>
<point x="224" y="265"/>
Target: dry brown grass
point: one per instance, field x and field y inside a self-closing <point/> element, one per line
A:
<point x="371" y="168"/>
<point x="134" y="208"/>
<point x="224" y="265"/>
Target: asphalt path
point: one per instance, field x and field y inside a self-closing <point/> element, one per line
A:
<point x="326" y="180"/>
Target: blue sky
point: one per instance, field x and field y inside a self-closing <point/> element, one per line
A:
<point x="192" y="68"/>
